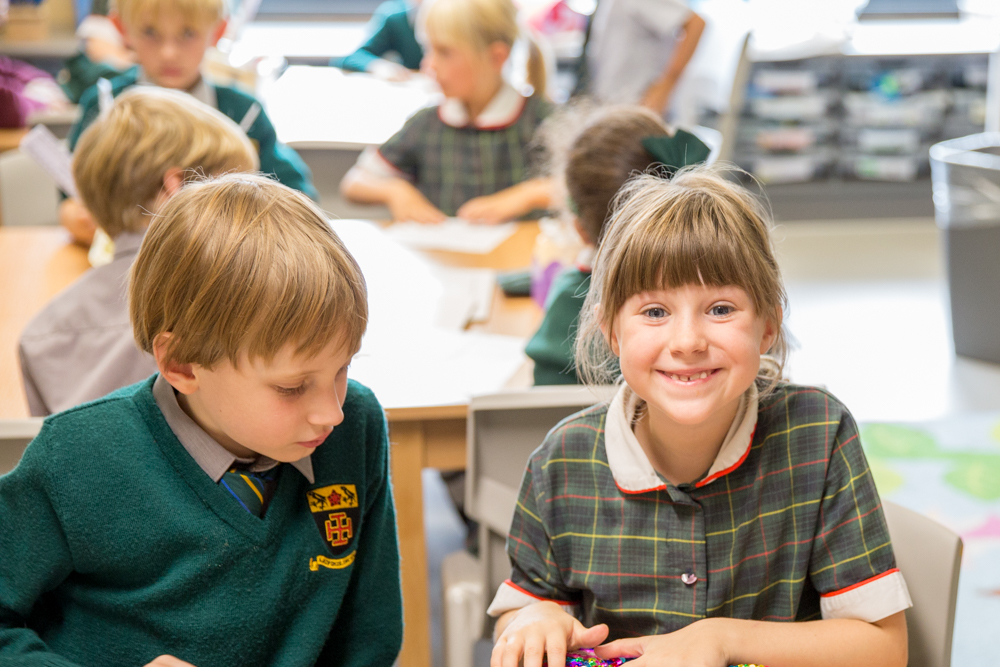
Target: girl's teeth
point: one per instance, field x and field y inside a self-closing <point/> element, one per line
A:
<point x="688" y="378"/>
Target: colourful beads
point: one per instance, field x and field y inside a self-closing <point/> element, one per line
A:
<point x="586" y="658"/>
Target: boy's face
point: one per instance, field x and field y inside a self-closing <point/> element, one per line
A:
<point x="170" y="47"/>
<point x="284" y="408"/>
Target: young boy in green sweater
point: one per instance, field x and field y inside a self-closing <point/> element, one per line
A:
<point x="235" y="508"/>
<point x="170" y="38"/>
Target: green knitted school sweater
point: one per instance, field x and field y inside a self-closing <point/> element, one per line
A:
<point x="116" y="547"/>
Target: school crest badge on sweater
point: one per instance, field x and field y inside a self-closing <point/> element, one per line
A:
<point x="337" y="515"/>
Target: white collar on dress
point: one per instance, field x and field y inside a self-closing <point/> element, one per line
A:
<point x="505" y="108"/>
<point x="629" y="464"/>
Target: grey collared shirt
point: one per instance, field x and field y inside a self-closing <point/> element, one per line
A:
<point x="213" y="458"/>
<point x="80" y="346"/>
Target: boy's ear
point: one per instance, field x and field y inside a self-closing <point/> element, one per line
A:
<point x="173" y="180"/>
<point x="180" y="376"/>
<point x="117" y="22"/>
<point x="217" y="32"/>
<point x="498" y="53"/>
<point x="578" y="226"/>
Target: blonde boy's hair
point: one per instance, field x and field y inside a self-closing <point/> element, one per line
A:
<point x="237" y="267"/>
<point x="200" y="12"/>
<point x="697" y="228"/>
<point x="479" y="23"/>
<point x="121" y="159"/>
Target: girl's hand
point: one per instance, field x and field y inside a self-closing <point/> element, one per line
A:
<point x="491" y="209"/>
<point x="407" y="203"/>
<point x="169" y="661"/>
<point x="77" y="221"/>
<point x="543" y="629"/>
<point x="701" y="644"/>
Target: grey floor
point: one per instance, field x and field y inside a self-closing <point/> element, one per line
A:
<point x="868" y="309"/>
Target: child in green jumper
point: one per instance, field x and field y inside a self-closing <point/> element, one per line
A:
<point x="618" y="143"/>
<point x="391" y="33"/>
<point x="170" y="38"/>
<point x="235" y="508"/>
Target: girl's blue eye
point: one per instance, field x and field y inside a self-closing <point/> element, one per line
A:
<point x="721" y="311"/>
<point x="656" y="313"/>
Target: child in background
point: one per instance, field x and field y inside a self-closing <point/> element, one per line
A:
<point x="170" y="38"/>
<point x="236" y="508"/>
<point x="613" y="146"/>
<point x="710" y="504"/>
<point x="469" y="156"/>
<point x="390" y="34"/>
<point x="129" y="163"/>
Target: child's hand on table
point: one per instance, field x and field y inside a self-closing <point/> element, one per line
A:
<point x="169" y="661"/>
<point x="701" y="644"/>
<point x="389" y="71"/>
<point x="77" y="221"/>
<point x="542" y="630"/>
<point x="407" y="203"/>
<point x="492" y="209"/>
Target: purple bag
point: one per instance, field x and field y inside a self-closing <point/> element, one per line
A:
<point x="15" y="106"/>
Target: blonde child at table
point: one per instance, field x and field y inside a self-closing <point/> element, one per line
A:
<point x="470" y="156"/>
<point x="129" y="163"/>
<point x="610" y="147"/>
<point x="235" y="508"/>
<point x="711" y="514"/>
<point x="170" y="39"/>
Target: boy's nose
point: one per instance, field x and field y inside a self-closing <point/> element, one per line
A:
<point x="327" y="411"/>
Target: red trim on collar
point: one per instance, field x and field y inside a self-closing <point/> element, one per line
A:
<point x="731" y="468"/>
<point x="661" y="487"/>
<point x="860" y="584"/>
<point x="537" y="597"/>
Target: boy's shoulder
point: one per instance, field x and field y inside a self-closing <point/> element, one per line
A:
<point x="94" y="301"/>
<point x="229" y="97"/>
<point x="120" y="83"/>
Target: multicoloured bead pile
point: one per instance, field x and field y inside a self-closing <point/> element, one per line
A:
<point x="586" y="658"/>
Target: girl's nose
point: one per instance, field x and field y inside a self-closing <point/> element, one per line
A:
<point x="687" y="336"/>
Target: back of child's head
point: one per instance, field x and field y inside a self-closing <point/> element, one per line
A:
<point x="237" y="267"/>
<point x="607" y="152"/>
<point x="202" y="13"/>
<point x="121" y="159"/>
<point x="480" y="23"/>
<point x="696" y="228"/>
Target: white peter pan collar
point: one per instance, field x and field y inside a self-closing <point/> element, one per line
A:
<point x="629" y="464"/>
<point x="503" y="110"/>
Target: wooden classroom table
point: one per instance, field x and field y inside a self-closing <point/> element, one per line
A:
<point x="38" y="262"/>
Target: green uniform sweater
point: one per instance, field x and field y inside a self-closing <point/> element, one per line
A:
<point x="275" y="157"/>
<point x="390" y="31"/>
<point x="116" y="547"/>
<point x="551" y="347"/>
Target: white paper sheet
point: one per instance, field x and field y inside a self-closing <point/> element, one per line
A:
<point x="454" y="235"/>
<point x="51" y="155"/>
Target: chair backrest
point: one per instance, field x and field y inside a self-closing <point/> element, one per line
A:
<point x="28" y="195"/>
<point x="929" y="556"/>
<point x="15" y="434"/>
<point x="503" y="430"/>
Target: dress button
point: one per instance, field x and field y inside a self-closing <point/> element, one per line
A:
<point x="689" y="578"/>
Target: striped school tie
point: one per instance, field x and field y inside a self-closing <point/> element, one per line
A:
<point x="252" y="490"/>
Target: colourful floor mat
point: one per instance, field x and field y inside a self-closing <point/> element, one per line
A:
<point x="949" y="470"/>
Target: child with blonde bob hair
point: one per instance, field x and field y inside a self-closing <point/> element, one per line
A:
<point x="235" y="508"/>
<point x="711" y="514"/>
<point x="470" y="155"/>
<point x="131" y="161"/>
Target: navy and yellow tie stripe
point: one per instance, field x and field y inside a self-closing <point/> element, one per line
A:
<point x="252" y="490"/>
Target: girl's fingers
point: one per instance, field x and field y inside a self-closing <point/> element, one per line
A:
<point x="512" y="651"/>
<point x="588" y="637"/>
<point x="534" y="649"/>
<point x="632" y="647"/>
<point x="555" y="649"/>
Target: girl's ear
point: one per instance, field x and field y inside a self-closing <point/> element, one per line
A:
<point x="771" y="328"/>
<point x="180" y="376"/>
<point x="609" y="333"/>
<point x="172" y="181"/>
<point x="498" y="52"/>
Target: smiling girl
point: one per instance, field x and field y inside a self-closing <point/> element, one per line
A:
<point x="470" y="155"/>
<point x="711" y="514"/>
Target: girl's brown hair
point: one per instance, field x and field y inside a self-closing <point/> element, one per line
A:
<point x="242" y="265"/>
<point x="607" y="152"/>
<point x="697" y="228"/>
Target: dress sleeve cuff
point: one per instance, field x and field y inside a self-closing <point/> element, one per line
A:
<point x="511" y="596"/>
<point x="871" y="600"/>
<point x="373" y="163"/>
